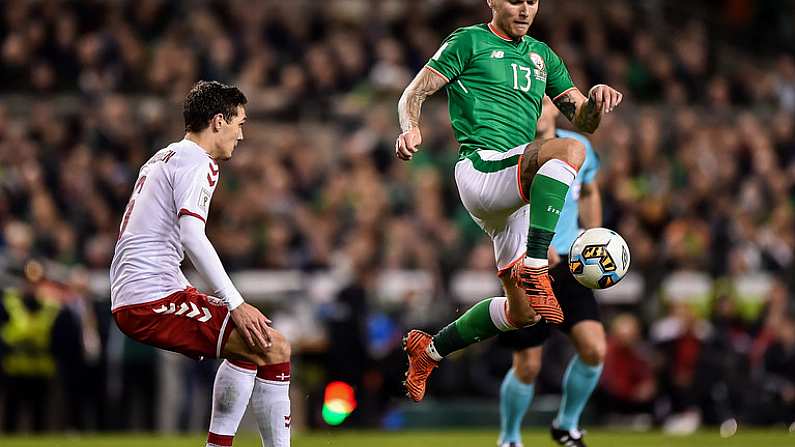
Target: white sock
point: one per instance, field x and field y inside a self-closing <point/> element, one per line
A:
<point x="535" y="263"/>
<point x="433" y="353"/>
<point x="231" y="393"/>
<point x="498" y="310"/>
<point x="271" y="404"/>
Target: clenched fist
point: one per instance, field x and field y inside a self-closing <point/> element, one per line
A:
<point x="407" y="142"/>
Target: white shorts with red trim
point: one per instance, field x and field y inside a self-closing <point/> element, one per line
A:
<point x="188" y="322"/>
<point x="489" y="186"/>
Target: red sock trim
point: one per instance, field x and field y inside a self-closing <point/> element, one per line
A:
<point x="242" y="364"/>
<point x="277" y="372"/>
<point x="576" y="170"/>
<point x="222" y="440"/>
<point x="507" y="269"/>
<point x="519" y="180"/>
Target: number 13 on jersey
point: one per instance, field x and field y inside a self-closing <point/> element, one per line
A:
<point x="520" y="72"/>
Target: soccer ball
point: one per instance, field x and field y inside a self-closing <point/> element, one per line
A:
<point x="599" y="258"/>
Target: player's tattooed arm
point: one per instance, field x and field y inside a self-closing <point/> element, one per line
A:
<point x="586" y="113"/>
<point x="588" y="117"/>
<point x="568" y="102"/>
<point x="578" y="109"/>
<point x="425" y="84"/>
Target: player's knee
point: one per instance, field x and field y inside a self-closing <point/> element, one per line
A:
<point x="237" y="349"/>
<point x="257" y="359"/>
<point x="526" y="374"/>
<point x="526" y="367"/>
<point x="280" y="349"/>
<point x="593" y="353"/>
<point x="573" y="152"/>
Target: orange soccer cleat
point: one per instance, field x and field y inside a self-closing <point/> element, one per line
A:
<point x="420" y="363"/>
<point x="536" y="284"/>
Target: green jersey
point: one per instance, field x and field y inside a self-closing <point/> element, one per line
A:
<point x="496" y="86"/>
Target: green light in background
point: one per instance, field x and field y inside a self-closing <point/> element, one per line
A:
<point x="338" y="403"/>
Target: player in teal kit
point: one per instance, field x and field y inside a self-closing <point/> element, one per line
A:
<point x="583" y="208"/>
<point x="514" y="187"/>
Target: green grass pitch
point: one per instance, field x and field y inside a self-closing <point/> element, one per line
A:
<point x="598" y="438"/>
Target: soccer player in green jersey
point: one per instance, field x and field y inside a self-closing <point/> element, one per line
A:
<point x="496" y="77"/>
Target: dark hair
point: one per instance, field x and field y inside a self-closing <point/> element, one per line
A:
<point x="207" y="99"/>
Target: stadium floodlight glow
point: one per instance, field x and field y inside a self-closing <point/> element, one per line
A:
<point x="339" y="402"/>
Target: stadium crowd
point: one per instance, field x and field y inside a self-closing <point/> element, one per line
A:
<point x="698" y="174"/>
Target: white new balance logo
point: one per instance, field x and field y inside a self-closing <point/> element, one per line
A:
<point x="183" y="308"/>
<point x="497" y="54"/>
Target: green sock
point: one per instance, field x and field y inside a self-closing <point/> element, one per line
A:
<point x="538" y="241"/>
<point x="547" y="196"/>
<point x="475" y="325"/>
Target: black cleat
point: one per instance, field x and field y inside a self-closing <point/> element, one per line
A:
<point x="567" y="438"/>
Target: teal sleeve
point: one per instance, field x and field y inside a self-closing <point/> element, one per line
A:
<point x="558" y="78"/>
<point x="453" y="56"/>
<point x="592" y="164"/>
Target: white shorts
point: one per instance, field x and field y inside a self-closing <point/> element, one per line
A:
<point x="490" y="189"/>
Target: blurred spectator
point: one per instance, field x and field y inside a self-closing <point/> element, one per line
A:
<point x="27" y="316"/>
<point x="705" y="367"/>
<point x="628" y="381"/>
<point x="779" y="377"/>
<point x="132" y="383"/>
<point x="79" y="336"/>
<point x="680" y="338"/>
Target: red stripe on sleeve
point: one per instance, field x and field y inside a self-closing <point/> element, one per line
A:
<point x="563" y="93"/>
<point x="436" y="72"/>
<point x="184" y="212"/>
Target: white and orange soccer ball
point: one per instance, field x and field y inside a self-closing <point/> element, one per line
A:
<point x="599" y="258"/>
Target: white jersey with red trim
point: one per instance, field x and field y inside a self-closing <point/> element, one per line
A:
<point x="178" y="180"/>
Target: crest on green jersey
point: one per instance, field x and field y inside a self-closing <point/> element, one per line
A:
<point x="540" y="70"/>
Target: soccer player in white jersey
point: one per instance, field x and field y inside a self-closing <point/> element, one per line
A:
<point x="152" y="301"/>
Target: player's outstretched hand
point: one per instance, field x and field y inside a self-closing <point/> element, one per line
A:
<point x="407" y="142"/>
<point x="605" y="98"/>
<point x="253" y="326"/>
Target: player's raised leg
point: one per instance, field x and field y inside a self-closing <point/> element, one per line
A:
<point x="516" y="394"/>
<point x="506" y="223"/>
<point x="579" y="381"/>
<point x="547" y="170"/>
<point x="484" y="320"/>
